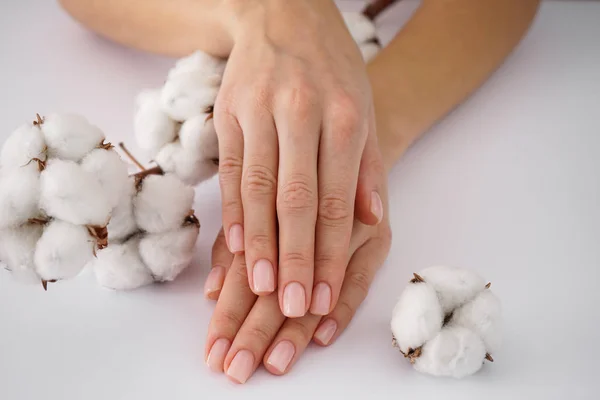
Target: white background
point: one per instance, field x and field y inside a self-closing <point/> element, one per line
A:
<point x="508" y="185"/>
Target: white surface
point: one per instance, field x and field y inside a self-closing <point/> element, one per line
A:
<point x="508" y="185"/>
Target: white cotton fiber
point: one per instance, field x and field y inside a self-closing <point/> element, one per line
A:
<point x="198" y="61"/>
<point x="167" y="254"/>
<point x="70" y="136"/>
<point x="188" y="165"/>
<point x="189" y="94"/>
<point x="369" y="51"/>
<point x="153" y="128"/>
<point x="63" y="250"/>
<point x="417" y="316"/>
<point x="361" y="28"/>
<point x="22" y="146"/>
<point x="19" y="194"/>
<point x="120" y="267"/>
<point x="199" y="134"/>
<point x="122" y="221"/>
<point x="70" y="193"/>
<point x="162" y="204"/>
<point x="482" y="315"/>
<point x="17" y="246"/>
<point x="454" y="286"/>
<point x="455" y="352"/>
<point x="110" y="171"/>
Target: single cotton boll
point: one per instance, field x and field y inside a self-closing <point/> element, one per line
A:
<point x="120" y="267"/>
<point x="152" y="127"/>
<point x="63" y="250"/>
<point x="22" y="146"/>
<point x="417" y="316"/>
<point x="189" y="94"/>
<point x="70" y="136"/>
<point x="454" y="286"/>
<point x="167" y="254"/>
<point x="70" y="193"/>
<point x="361" y="28"/>
<point x="454" y="352"/>
<point x="198" y="61"/>
<point x="369" y="51"/>
<point x="17" y="246"/>
<point x="188" y="165"/>
<point x="110" y="171"/>
<point x="19" y="195"/>
<point x="122" y="222"/>
<point x="162" y="204"/>
<point x="482" y="315"/>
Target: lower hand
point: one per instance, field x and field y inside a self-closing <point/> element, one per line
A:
<point x="247" y="330"/>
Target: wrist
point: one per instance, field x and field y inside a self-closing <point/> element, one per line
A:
<point x="281" y="19"/>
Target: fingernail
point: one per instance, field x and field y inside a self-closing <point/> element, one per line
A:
<point x="263" y="276"/>
<point x="214" y="280"/>
<point x="326" y="331"/>
<point x="321" y="301"/>
<point x="241" y="366"/>
<point x="217" y="354"/>
<point x="376" y="206"/>
<point x="236" y="238"/>
<point x="281" y="356"/>
<point x="294" y="300"/>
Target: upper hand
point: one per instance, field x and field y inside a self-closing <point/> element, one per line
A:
<point x="293" y="115"/>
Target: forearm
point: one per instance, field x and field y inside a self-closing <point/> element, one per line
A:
<point x="444" y="53"/>
<point x="171" y="27"/>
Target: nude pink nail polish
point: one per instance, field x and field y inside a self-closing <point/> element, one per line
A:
<point x="294" y="300"/>
<point x="282" y="355"/>
<point x="217" y="354"/>
<point x="241" y="366"/>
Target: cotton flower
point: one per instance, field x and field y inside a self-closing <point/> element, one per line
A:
<point x="447" y="322"/>
<point x="157" y="235"/>
<point x="59" y="184"/>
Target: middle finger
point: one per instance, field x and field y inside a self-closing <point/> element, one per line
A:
<point x="298" y="125"/>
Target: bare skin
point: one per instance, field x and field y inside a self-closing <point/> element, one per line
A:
<point x="442" y="55"/>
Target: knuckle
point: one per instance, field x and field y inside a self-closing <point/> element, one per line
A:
<point x="344" y="310"/>
<point x="334" y="208"/>
<point x="259" y="181"/>
<point x="241" y="274"/>
<point x="297" y="260"/>
<point x="298" y="329"/>
<point x="346" y="113"/>
<point x="260" y="242"/>
<point x="229" y="318"/>
<point x="297" y="196"/>
<point x="230" y="168"/>
<point x="260" y="333"/>
<point x="361" y="281"/>
<point x="301" y="98"/>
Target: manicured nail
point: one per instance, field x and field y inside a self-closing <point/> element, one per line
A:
<point x="294" y="300"/>
<point x="326" y="331"/>
<point x="281" y="356"/>
<point x="217" y="354"/>
<point x="321" y="301"/>
<point x="214" y="281"/>
<point x="263" y="277"/>
<point x="236" y="238"/>
<point x="241" y="366"/>
<point x="376" y="206"/>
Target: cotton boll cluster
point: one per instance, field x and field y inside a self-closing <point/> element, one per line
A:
<point x="364" y="33"/>
<point x="447" y="321"/>
<point x="58" y="186"/>
<point x="153" y="234"/>
<point x="174" y="124"/>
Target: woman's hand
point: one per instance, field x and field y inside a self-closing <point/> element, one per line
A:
<point x="247" y="330"/>
<point x="293" y="115"/>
